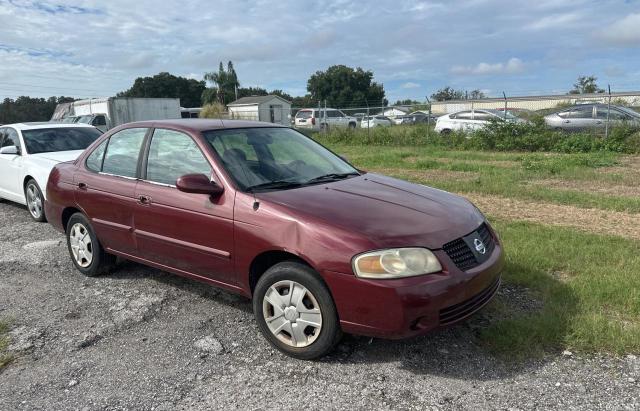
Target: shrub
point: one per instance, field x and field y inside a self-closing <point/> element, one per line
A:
<point x="214" y="110"/>
<point x="531" y="136"/>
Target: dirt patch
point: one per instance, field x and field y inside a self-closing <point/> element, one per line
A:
<point x="583" y="219"/>
<point x="599" y="187"/>
<point x="428" y="175"/>
<point x="629" y="169"/>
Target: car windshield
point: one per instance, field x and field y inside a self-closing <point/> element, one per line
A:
<point x="46" y="140"/>
<point x="629" y="111"/>
<point x="267" y="158"/>
<point x="84" y="119"/>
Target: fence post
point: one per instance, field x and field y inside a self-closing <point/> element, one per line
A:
<point x="606" y="126"/>
<point x="505" y="105"/>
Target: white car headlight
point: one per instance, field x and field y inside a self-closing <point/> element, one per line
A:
<point x="396" y="263"/>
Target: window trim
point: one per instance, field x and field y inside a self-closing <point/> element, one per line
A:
<point x="142" y="176"/>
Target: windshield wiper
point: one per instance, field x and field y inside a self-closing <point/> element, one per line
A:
<point x="273" y="185"/>
<point x="332" y="177"/>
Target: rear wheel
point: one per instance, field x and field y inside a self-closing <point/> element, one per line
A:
<point x="324" y="127"/>
<point x="352" y="125"/>
<point x="85" y="250"/>
<point x="446" y="131"/>
<point x="35" y="200"/>
<point x="295" y="311"/>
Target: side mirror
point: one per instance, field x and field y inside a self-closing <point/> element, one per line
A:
<point x="10" y="150"/>
<point x="198" y="184"/>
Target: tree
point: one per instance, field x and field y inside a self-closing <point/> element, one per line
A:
<point x="477" y="95"/>
<point x="26" y="108"/>
<point x="586" y="85"/>
<point x="342" y="86"/>
<point x="447" y="93"/>
<point x="406" y="102"/>
<point x="226" y="82"/>
<point x="213" y="110"/>
<point x="189" y="91"/>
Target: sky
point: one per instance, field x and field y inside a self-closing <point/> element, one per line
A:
<point x="520" y="47"/>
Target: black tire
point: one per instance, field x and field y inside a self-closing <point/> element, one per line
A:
<point x="324" y="127"/>
<point x="330" y="332"/>
<point x="352" y="126"/>
<point x="445" y="131"/>
<point x="101" y="262"/>
<point x="35" y="201"/>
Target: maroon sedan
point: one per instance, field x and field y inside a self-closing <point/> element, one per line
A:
<point x="261" y="210"/>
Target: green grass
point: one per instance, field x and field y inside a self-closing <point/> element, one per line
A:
<point x="589" y="286"/>
<point x="5" y="357"/>
<point x="508" y="180"/>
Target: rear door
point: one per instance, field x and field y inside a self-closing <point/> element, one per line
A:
<point x="11" y="166"/>
<point x="106" y="188"/>
<point x="578" y="118"/>
<point x="189" y="232"/>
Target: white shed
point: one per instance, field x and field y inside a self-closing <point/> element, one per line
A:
<point x="271" y="108"/>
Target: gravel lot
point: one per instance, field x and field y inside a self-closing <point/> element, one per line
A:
<point x="144" y="339"/>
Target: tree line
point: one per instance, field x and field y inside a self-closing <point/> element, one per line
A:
<point x="338" y="85"/>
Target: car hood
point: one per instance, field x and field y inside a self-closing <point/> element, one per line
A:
<point x="58" y="156"/>
<point x="384" y="210"/>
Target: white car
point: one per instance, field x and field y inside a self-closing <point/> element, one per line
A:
<point x="471" y="120"/>
<point x="28" y="152"/>
<point x="375" y="121"/>
<point x="323" y="119"/>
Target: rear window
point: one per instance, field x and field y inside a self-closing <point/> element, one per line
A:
<point x="304" y="114"/>
<point x="46" y="140"/>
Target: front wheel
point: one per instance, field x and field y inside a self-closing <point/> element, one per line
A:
<point x="295" y="311"/>
<point x="35" y="201"/>
<point x="85" y="250"/>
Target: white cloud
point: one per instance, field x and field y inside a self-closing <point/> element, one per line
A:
<point x="410" y="84"/>
<point x="624" y="32"/>
<point x="513" y="66"/>
<point x="555" y="21"/>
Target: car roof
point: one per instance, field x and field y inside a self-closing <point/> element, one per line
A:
<point x="200" y="124"/>
<point x="44" y="124"/>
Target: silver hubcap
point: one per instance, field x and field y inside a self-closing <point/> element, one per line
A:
<point x="292" y="313"/>
<point x="81" y="246"/>
<point x="34" y="201"/>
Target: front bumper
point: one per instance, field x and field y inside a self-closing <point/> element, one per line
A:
<point x="413" y="306"/>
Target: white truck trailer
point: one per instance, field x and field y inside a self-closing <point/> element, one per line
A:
<point x="109" y="112"/>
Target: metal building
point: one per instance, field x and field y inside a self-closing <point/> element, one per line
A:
<point x="533" y="103"/>
<point x="270" y="108"/>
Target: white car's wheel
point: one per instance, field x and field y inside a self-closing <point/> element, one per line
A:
<point x="35" y="201"/>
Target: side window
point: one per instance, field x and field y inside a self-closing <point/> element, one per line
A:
<point x="578" y="112"/>
<point x="99" y="121"/>
<point x="482" y="115"/>
<point x="173" y="154"/>
<point x="339" y="114"/>
<point x="613" y="115"/>
<point x="123" y="150"/>
<point x="463" y="115"/>
<point x="11" y="138"/>
<point x="2" y="132"/>
<point x="94" y="161"/>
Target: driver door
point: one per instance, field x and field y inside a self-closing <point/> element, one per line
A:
<point x="191" y="233"/>
<point x="11" y="166"/>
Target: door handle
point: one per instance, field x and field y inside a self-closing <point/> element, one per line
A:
<point x="567" y="121"/>
<point x="144" y="199"/>
<point x="82" y="186"/>
<point x="599" y="122"/>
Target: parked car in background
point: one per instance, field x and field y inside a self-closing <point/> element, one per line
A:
<point x="28" y="152"/>
<point x="261" y="210"/>
<point x="376" y="121"/>
<point x="590" y="117"/>
<point x="471" y="120"/>
<point x="323" y="119"/>
<point x="420" y="117"/>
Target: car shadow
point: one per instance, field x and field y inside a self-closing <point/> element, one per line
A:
<point x="467" y="350"/>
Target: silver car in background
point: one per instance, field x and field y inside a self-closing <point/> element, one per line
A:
<point x="591" y="116"/>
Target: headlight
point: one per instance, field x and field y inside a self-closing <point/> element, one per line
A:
<point x="396" y="263"/>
